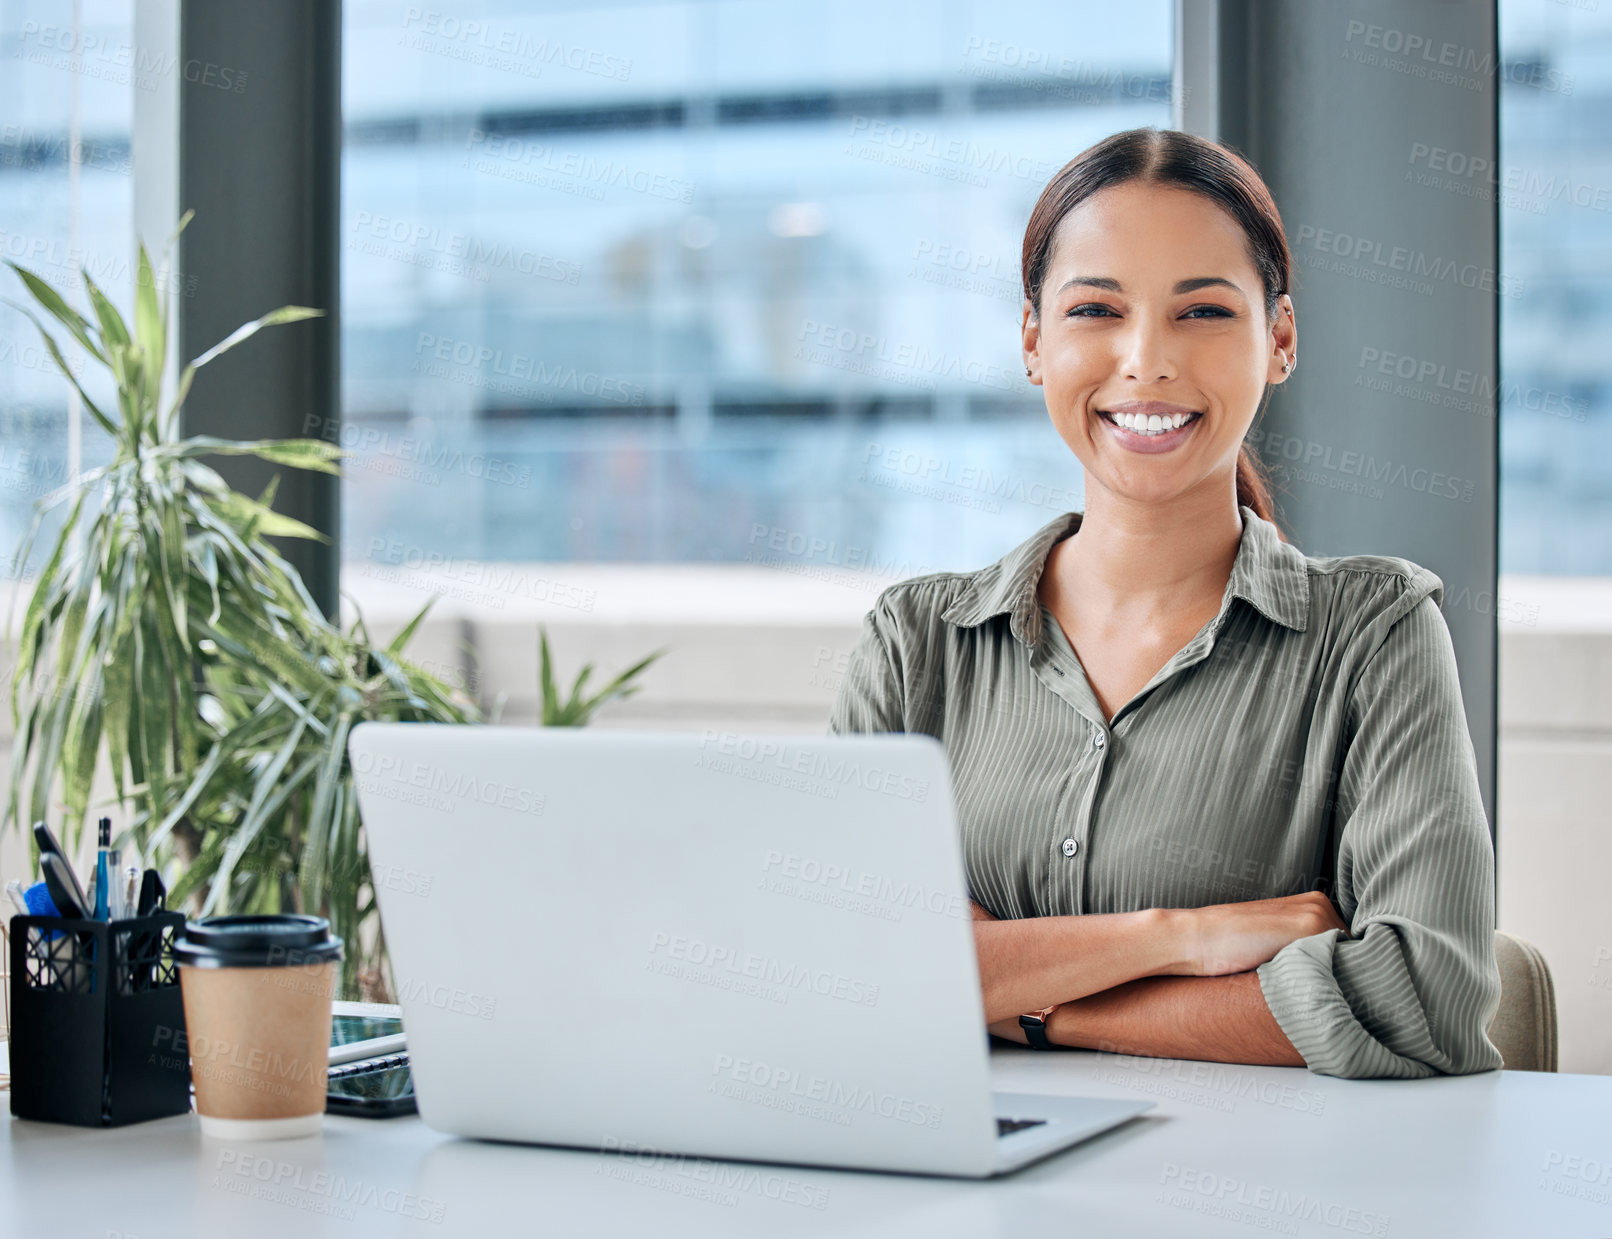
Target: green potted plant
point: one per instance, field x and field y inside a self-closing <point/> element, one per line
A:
<point x="166" y="642"/>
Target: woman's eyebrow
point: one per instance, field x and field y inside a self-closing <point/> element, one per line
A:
<point x="1184" y="286"/>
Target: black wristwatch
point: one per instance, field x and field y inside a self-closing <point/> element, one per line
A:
<point x="1034" y="1024"/>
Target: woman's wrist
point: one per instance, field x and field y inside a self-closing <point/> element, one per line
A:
<point x="1150" y="942"/>
<point x="1172" y="940"/>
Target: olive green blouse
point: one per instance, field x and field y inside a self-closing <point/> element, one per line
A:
<point x="1310" y="736"/>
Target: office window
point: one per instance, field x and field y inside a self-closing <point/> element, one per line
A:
<point x="66" y="106"/>
<point x="1554" y="184"/>
<point x="705" y="281"/>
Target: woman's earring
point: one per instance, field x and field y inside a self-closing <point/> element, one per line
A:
<point x="1287" y="366"/>
<point x="1027" y="372"/>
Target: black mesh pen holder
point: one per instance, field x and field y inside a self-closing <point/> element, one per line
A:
<point x="97" y="1023"/>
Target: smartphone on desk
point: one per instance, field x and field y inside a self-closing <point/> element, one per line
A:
<point x="369" y="1069"/>
<point x="381" y="1093"/>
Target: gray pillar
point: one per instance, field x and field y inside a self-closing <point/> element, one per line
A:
<point x="1372" y="122"/>
<point x="260" y="163"/>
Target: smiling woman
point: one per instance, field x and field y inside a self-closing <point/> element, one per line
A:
<point x="1185" y="345"/>
<point x="1217" y="796"/>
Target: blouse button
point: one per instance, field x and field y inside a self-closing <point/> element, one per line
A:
<point x="1098" y="741"/>
<point x="1071" y="846"/>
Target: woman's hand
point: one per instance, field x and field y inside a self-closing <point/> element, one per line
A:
<point x="1224" y="938"/>
<point x="1009" y="1028"/>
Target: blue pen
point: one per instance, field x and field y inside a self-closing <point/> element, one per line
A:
<point x="103" y="879"/>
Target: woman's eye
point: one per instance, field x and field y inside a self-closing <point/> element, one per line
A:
<point x="1210" y="311"/>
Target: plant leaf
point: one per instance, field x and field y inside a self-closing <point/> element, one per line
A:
<point x="285" y="314"/>
<point x="114" y="331"/>
<point x="320" y="827"/>
<point x="59" y="310"/>
<point x="267" y="785"/>
<point x="264" y="521"/>
<point x="406" y="634"/>
<point x="546" y="691"/>
<point x="106" y="423"/>
<point x="299" y="453"/>
<point x="149" y="328"/>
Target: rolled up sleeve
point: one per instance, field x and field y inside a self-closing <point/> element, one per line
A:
<point x="1412" y="989"/>
<point x="870" y="695"/>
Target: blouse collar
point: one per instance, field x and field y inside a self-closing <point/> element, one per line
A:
<point x="1270" y="574"/>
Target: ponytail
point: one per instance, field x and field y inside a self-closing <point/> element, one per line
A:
<point x="1253" y="488"/>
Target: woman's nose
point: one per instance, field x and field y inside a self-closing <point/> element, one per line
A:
<point x="1146" y="355"/>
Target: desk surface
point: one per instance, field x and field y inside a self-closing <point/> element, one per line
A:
<point x="1228" y="1150"/>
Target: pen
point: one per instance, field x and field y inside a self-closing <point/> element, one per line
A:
<point x="131" y="889"/>
<point x="114" y="870"/>
<point x="114" y="896"/>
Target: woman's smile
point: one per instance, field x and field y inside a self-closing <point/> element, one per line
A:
<point x="1149" y="426"/>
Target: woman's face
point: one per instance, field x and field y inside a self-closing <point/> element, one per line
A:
<point x="1151" y="306"/>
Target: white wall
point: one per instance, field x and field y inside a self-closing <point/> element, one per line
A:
<point x="1554" y="797"/>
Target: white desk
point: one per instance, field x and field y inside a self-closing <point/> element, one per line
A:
<point x="1502" y="1154"/>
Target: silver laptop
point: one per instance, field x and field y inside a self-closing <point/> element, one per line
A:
<point x="693" y="943"/>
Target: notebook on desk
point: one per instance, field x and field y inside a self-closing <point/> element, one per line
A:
<point x="369" y="1074"/>
<point x="747" y="947"/>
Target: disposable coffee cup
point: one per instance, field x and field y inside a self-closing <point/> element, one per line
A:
<point x="257" y="992"/>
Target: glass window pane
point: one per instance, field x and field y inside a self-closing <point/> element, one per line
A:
<point x="656" y="281"/>
<point x="1555" y="190"/>
<point x="66" y="205"/>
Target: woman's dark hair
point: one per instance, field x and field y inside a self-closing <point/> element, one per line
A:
<point x="1172" y="158"/>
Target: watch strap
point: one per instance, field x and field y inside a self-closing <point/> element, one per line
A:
<point x="1034" y="1025"/>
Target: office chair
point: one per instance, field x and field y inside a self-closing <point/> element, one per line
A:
<point x="1524" y="1026"/>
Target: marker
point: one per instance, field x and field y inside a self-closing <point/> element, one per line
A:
<point x="152" y="893"/>
<point x="103" y="876"/>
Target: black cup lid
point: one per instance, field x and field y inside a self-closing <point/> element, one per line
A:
<point x="256" y="942"/>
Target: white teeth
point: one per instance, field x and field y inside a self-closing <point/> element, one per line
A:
<point x="1151" y="424"/>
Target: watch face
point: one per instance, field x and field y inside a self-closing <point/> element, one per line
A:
<point x="1034" y="1024"/>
